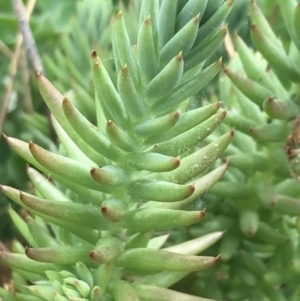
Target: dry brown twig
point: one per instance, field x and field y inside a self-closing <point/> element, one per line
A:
<point x="13" y="68"/>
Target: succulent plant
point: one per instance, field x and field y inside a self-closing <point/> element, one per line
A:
<point x="113" y="191"/>
<point x="257" y="200"/>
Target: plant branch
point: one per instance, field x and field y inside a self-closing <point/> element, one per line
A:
<point x="27" y="34"/>
<point x="13" y="68"/>
<point x="28" y="106"/>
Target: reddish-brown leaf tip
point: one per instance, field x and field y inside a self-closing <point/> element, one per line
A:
<point x="94" y="54"/>
<point x="103" y="209"/>
<point x="253" y="26"/>
<point x="31" y="145"/>
<point x="27" y="251"/>
<point x="65" y="101"/>
<point x="177" y="114"/>
<point x="250" y="232"/>
<point x="93" y="171"/>
<point x="124" y="69"/>
<point x="272" y="201"/>
<point x="197" y="19"/>
<point x="109" y="123"/>
<point x="96" y="289"/>
<point x="226" y="162"/>
<point x="22" y="196"/>
<point x="92" y="254"/>
<point x="202" y="213"/>
<point x="176" y="161"/>
<point x="179" y="57"/>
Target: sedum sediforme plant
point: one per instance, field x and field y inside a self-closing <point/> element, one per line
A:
<point x="119" y="187"/>
<point x="260" y="191"/>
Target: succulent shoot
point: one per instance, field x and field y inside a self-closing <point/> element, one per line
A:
<point x="260" y="249"/>
<point x="96" y="231"/>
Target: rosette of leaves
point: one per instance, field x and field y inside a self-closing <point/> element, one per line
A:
<point x="66" y="64"/>
<point x="94" y="232"/>
<point x="260" y="192"/>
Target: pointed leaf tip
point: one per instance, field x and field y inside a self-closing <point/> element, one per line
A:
<point x="177" y="114"/>
<point x="147" y="20"/>
<point x="94" y="54"/>
<point x="176" y="161"/>
<point x="179" y="57"/>
<point x="253" y="26"/>
<point x="125" y="69"/>
<point x="197" y="19"/>
<point x="27" y="251"/>
<point x="65" y="101"/>
<point x="226" y="161"/>
<point x="92" y="254"/>
<point x="119" y="14"/>
<point x="38" y="74"/>
<point x="93" y="171"/>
